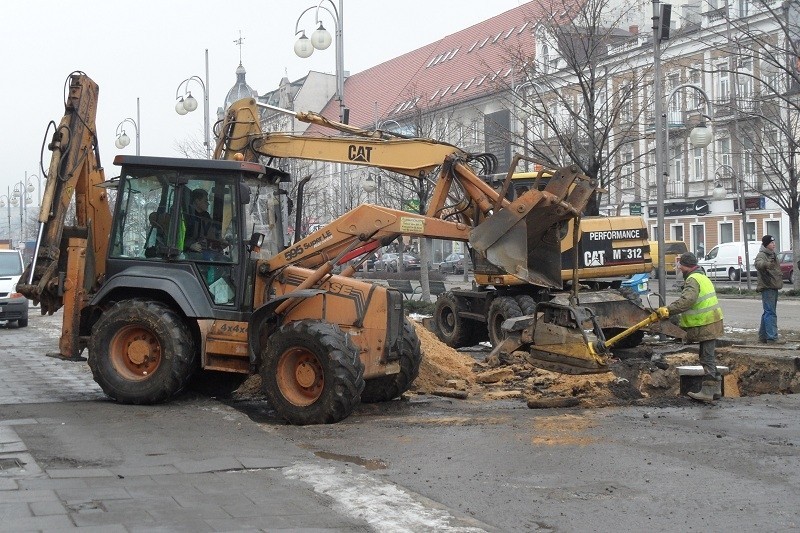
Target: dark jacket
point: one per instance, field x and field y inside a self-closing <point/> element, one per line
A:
<point x="687" y="299"/>
<point x="769" y="270"/>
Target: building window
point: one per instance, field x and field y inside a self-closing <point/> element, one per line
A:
<point x="625" y="112"/>
<point x="744" y="8"/>
<point x="677" y="164"/>
<point x="724" y="148"/>
<point x="751" y="231"/>
<point x="626" y="172"/>
<point x="773" y="227"/>
<point x="545" y="62"/>
<point x="723" y="87"/>
<point x="695" y="77"/>
<point x="725" y="232"/>
<point x="699" y="239"/>
<point x="698" y="174"/>
<point x="677" y="232"/>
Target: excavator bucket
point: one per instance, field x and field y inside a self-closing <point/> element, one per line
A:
<point x="558" y="338"/>
<point x="523" y="239"/>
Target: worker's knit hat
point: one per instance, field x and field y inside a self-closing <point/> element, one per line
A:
<point x="688" y="259"/>
<point x="766" y="239"/>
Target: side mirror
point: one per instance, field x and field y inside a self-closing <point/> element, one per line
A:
<point x="256" y="240"/>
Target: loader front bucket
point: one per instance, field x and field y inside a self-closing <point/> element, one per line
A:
<point x="523" y="239"/>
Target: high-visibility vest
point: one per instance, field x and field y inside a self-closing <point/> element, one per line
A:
<point x="181" y="233"/>
<point x="706" y="309"/>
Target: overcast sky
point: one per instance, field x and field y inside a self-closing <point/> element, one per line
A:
<point x="144" y="49"/>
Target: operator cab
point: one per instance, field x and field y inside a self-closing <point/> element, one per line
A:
<point x="196" y="216"/>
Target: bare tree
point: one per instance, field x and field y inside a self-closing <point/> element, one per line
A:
<point x="191" y="148"/>
<point x="764" y="44"/>
<point x="579" y="98"/>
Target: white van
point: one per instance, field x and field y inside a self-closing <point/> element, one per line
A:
<point x="13" y="305"/>
<point x="726" y="260"/>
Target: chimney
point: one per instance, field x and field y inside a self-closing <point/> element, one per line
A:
<point x="634" y="30"/>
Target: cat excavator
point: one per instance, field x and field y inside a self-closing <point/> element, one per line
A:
<point x="157" y="316"/>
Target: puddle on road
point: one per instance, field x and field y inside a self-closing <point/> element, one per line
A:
<point x="369" y="464"/>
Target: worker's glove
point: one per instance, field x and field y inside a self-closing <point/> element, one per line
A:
<point x="662" y="312"/>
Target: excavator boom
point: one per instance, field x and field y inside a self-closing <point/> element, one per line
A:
<point x="519" y="237"/>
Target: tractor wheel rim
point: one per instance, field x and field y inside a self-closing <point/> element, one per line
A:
<point x="135" y="352"/>
<point x="300" y="376"/>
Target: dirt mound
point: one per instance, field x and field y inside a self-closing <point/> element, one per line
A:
<point x="444" y="369"/>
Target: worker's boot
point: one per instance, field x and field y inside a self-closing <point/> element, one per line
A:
<point x="707" y="391"/>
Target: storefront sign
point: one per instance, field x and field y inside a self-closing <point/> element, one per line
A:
<point x="680" y="209"/>
<point x="750" y="204"/>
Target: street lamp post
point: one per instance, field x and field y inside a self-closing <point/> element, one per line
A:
<point x="186" y="103"/>
<point x="122" y="138"/>
<point x="38" y="185"/>
<point x="719" y="193"/>
<point x="700" y="137"/>
<point x="320" y="40"/>
<point x="5" y="200"/>
<point x="22" y="197"/>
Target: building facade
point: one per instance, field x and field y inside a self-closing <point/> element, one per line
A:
<point x="505" y="86"/>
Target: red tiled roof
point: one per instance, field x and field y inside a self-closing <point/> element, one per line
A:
<point x="457" y="67"/>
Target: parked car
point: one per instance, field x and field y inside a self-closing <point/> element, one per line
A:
<point x="786" y="259"/>
<point x="13" y="305"/>
<point x="366" y="266"/>
<point x="726" y="260"/>
<point x="389" y="261"/>
<point x="454" y="264"/>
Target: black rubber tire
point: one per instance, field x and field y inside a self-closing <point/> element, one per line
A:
<point x="733" y="274"/>
<point x="386" y="388"/>
<point x="216" y="383"/>
<point x="500" y="310"/>
<point x="526" y="304"/>
<point x="631" y="341"/>
<point x="117" y="357"/>
<point x="451" y="330"/>
<point x="22" y="323"/>
<point x="324" y="355"/>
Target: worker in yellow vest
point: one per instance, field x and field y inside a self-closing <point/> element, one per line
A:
<point x="701" y="318"/>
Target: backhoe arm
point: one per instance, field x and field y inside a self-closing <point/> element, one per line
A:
<point x="74" y="170"/>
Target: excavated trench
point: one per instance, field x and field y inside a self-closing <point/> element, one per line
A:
<point x="753" y="369"/>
